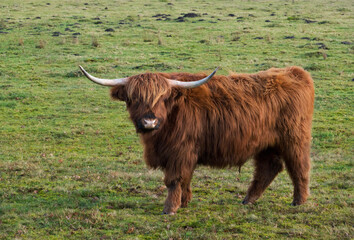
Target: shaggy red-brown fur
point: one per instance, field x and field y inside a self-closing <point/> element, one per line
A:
<point x="224" y="123"/>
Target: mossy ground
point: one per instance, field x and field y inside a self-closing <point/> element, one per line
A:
<point x="71" y="163"/>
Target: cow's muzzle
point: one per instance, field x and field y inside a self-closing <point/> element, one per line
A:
<point x="148" y="123"/>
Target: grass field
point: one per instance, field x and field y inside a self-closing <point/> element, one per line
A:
<point x="71" y="163"/>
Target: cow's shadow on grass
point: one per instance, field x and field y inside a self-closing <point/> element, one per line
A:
<point x="60" y="203"/>
<point x="85" y="201"/>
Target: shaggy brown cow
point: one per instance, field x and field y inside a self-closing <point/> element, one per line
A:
<point x="222" y="123"/>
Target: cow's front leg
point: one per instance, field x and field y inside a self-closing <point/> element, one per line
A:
<point x="178" y="175"/>
<point x="173" y="200"/>
<point x="186" y="194"/>
<point x="186" y="187"/>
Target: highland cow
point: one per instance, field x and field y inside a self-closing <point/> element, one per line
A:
<point x="184" y="121"/>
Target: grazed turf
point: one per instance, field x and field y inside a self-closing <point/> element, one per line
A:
<point x="71" y="163"/>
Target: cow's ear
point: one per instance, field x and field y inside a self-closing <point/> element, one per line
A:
<point x="119" y="93"/>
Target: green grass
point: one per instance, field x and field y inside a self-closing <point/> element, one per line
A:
<point x="71" y="163"/>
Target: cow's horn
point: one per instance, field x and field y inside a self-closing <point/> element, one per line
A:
<point x="192" y="84"/>
<point x="104" y="82"/>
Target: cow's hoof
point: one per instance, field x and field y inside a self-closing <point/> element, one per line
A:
<point x="171" y="213"/>
<point x="295" y="203"/>
<point x="247" y="200"/>
<point x="298" y="202"/>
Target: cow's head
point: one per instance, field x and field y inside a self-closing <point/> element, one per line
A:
<point x="146" y="96"/>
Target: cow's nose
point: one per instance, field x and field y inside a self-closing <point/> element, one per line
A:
<point x="149" y="123"/>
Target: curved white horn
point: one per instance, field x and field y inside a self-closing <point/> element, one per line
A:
<point x="191" y="84"/>
<point x="104" y="82"/>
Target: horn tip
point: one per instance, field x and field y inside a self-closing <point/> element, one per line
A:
<point x="83" y="70"/>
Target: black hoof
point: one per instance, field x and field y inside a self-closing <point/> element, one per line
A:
<point x="164" y="213"/>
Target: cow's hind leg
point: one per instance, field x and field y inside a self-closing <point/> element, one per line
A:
<point x="268" y="164"/>
<point x="297" y="162"/>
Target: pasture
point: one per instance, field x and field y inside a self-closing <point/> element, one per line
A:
<point x="71" y="162"/>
